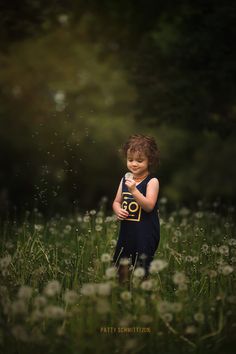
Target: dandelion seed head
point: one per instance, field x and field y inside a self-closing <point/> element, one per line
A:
<point x="19" y="307"/>
<point x="54" y="312"/>
<point x="103" y="289"/>
<point x="139" y="272"/>
<point x="179" y="278"/>
<point x="147" y="285"/>
<point x="88" y="289"/>
<point x="157" y="266"/>
<point x="191" y="329"/>
<point x="52" y="288"/>
<point x="105" y="257"/>
<point x="167" y="317"/>
<point x="126" y="295"/>
<point x="25" y="292"/>
<point x="40" y="301"/>
<point x="111" y="273"/>
<point x="224" y="250"/>
<point x="199" y="317"/>
<point x="20" y="333"/>
<point x="70" y="297"/>
<point x="232" y="242"/>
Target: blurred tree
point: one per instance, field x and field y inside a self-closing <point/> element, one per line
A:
<point x="63" y="115"/>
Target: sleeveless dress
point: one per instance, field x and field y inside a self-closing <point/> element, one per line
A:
<point x="139" y="234"/>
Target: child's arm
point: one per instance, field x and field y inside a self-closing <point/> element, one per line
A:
<point x="147" y="203"/>
<point x="121" y="213"/>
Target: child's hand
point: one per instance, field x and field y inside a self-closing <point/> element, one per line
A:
<point x="130" y="183"/>
<point x="122" y="214"/>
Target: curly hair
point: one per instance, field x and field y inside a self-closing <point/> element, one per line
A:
<point x="143" y="144"/>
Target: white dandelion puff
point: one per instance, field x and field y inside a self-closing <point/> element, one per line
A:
<point x="167" y="317"/>
<point x="54" y="312"/>
<point x="199" y="317"/>
<point x="105" y="257"/>
<point x="191" y="329"/>
<point x="129" y="175"/>
<point x="70" y="297"/>
<point x="147" y="285"/>
<point x="126" y="295"/>
<point x="52" y="288"/>
<point x="157" y="266"/>
<point x="139" y="272"/>
<point x="88" y="289"/>
<point x="179" y="278"/>
<point x="104" y="289"/>
<point x="24" y="292"/>
<point x="111" y="273"/>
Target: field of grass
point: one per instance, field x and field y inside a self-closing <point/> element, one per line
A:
<point x="59" y="291"/>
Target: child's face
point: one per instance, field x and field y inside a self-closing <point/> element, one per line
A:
<point x="137" y="163"/>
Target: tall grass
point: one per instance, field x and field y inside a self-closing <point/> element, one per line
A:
<point x="59" y="290"/>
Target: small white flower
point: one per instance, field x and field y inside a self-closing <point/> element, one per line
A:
<point x="54" y="312"/>
<point x="88" y="289"/>
<point x="184" y="211"/>
<point x="176" y="306"/>
<point x="99" y="220"/>
<point x="40" y="301"/>
<point x="86" y="218"/>
<point x="104" y="289"/>
<point x="70" y="296"/>
<point x="5" y="262"/>
<point x="59" y="97"/>
<point x="227" y="269"/>
<point x="126" y="295"/>
<point x="157" y="265"/>
<point x="19" y="307"/>
<point x="113" y="243"/>
<point x="129" y="175"/>
<point x="224" y="250"/>
<point x="232" y="242"/>
<point x="205" y="248"/>
<point x="199" y="214"/>
<point x="167" y="317"/>
<point x="139" y="272"/>
<point x="179" y="278"/>
<point x="147" y="285"/>
<point x="163" y="200"/>
<point x="52" y="288"/>
<point x="199" y="317"/>
<point x="63" y="19"/>
<point x="19" y="332"/>
<point x="98" y="228"/>
<point x="190" y="329"/>
<point x="111" y="272"/>
<point x="163" y="306"/>
<point x="25" y="292"/>
<point x="105" y="257"/>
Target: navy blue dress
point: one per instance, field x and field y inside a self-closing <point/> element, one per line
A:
<point x="139" y="234"/>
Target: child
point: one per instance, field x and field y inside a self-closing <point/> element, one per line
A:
<point x="136" y="204"/>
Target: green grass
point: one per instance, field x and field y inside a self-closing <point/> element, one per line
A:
<point x="58" y="290"/>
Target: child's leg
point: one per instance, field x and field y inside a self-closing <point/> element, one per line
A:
<point x="123" y="273"/>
